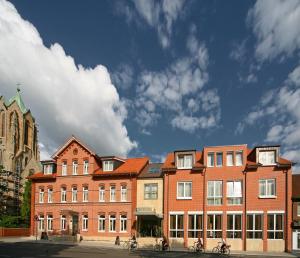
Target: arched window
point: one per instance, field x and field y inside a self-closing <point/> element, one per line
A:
<point x="26" y="132"/>
<point x="2" y="128"/>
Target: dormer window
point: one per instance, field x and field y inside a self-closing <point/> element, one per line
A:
<point x="184" y="161"/>
<point x="108" y="165"/>
<point x="48" y="169"/>
<point x="266" y="157"/>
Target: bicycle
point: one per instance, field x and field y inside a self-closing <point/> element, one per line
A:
<point x="196" y="247"/>
<point x="132" y="245"/>
<point x="126" y="244"/>
<point x="220" y="249"/>
<point x="159" y="247"/>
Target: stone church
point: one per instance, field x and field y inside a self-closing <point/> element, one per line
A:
<point x="19" y="150"/>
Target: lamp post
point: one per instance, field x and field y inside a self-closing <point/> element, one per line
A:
<point x="36" y="219"/>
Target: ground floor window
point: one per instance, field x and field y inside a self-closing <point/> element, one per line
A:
<point x="214" y="226"/>
<point x="195" y="225"/>
<point x="85" y="222"/>
<point x="63" y="222"/>
<point x="41" y="224"/>
<point x="101" y="223"/>
<point x="275" y="226"/>
<point x="112" y="223"/>
<point x="255" y="226"/>
<point x="123" y="223"/>
<point x="49" y="222"/>
<point x="234" y="226"/>
<point x="176" y="225"/>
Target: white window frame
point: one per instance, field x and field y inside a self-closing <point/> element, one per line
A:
<point x="152" y="193"/>
<point x="267" y="188"/>
<point x="217" y="154"/>
<point x="123" y="193"/>
<point x="254" y="230"/>
<point x="85" y="222"/>
<point x="85" y="193"/>
<point x="112" y="193"/>
<point x="112" y="221"/>
<point x="50" y="195"/>
<point x="101" y="193"/>
<point x="214" y="230"/>
<point x="63" y="223"/>
<point x="108" y="165"/>
<point x="212" y="154"/>
<point x="265" y="161"/>
<point x="195" y="230"/>
<point x="176" y="230"/>
<point x="64" y="168"/>
<point x="123" y="223"/>
<point x="183" y="160"/>
<point x="63" y="194"/>
<point x="49" y="222"/>
<point x="74" y="194"/>
<point x="298" y="209"/>
<point x="235" y="196"/>
<point x="184" y="197"/>
<point x="74" y="167"/>
<point x="41" y="224"/>
<point x="228" y="154"/>
<point x="101" y="223"/>
<point x="274" y="230"/>
<point x="41" y="195"/>
<point x="86" y="167"/>
<point x="240" y="152"/>
<point x="48" y="169"/>
<point x="234" y="230"/>
<point x="215" y="197"/>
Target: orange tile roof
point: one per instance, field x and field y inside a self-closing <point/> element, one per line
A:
<point x="41" y="175"/>
<point x="131" y="165"/>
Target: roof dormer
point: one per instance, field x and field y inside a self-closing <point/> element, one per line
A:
<point x="267" y="155"/>
<point x="49" y="167"/>
<point x="185" y="159"/>
<point x="111" y="163"/>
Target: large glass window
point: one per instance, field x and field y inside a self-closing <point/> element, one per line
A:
<point x="184" y="161"/>
<point x="112" y="223"/>
<point x="184" y="190"/>
<point x="195" y="229"/>
<point x="150" y="191"/>
<point x="229" y="158"/>
<point x="64" y="168"/>
<point x="101" y="193"/>
<point x="63" y="222"/>
<point x="214" y="192"/>
<point x="85" y="167"/>
<point x="234" y="226"/>
<point x="49" y="222"/>
<point x="239" y="158"/>
<point x="219" y="159"/>
<point x="108" y="165"/>
<point x="275" y="226"/>
<point x="234" y="192"/>
<point x="41" y="196"/>
<point x="210" y="159"/>
<point x="112" y="193"/>
<point x="85" y="222"/>
<point x="255" y="226"/>
<point x="50" y="195"/>
<point x="85" y="194"/>
<point x="74" y="194"/>
<point x="63" y="194"/>
<point x="267" y="157"/>
<point x="123" y="223"/>
<point x="75" y="167"/>
<point x="176" y="226"/>
<point x="101" y="223"/>
<point x="267" y="188"/>
<point x="214" y="226"/>
<point x="123" y="193"/>
<point x="41" y="224"/>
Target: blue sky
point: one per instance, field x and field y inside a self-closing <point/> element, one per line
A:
<point x="184" y="74"/>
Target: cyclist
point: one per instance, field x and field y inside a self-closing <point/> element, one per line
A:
<point x="223" y="246"/>
<point x="164" y="243"/>
<point x="199" y="244"/>
<point x="133" y="242"/>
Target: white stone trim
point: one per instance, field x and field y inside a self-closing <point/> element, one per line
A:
<point x="255" y="212"/>
<point x="176" y="212"/>
<point x="276" y="212"/>
<point x="214" y="212"/>
<point x="195" y="212"/>
<point x="234" y="212"/>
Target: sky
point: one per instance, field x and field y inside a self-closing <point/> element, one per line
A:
<point x="144" y="77"/>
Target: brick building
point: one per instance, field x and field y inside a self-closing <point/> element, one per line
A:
<point x="230" y="192"/>
<point x="296" y="212"/>
<point x="87" y="194"/>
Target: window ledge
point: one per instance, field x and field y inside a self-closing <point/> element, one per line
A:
<point x="267" y="197"/>
<point x="184" y="198"/>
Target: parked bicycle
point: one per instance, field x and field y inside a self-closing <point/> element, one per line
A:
<point x="197" y="246"/>
<point x="222" y="248"/>
<point x="130" y="244"/>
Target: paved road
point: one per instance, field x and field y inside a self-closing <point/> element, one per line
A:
<point x="39" y="250"/>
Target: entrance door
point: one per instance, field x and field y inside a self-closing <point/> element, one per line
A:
<point x="74" y="224"/>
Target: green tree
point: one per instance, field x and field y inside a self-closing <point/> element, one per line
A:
<point x="26" y="204"/>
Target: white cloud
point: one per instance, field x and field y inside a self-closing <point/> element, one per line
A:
<point x="179" y="90"/>
<point x="64" y="98"/>
<point x="160" y="15"/>
<point x="238" y="51"/>
<point x="276" y="26"/>
<point x="122" y="77"/>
